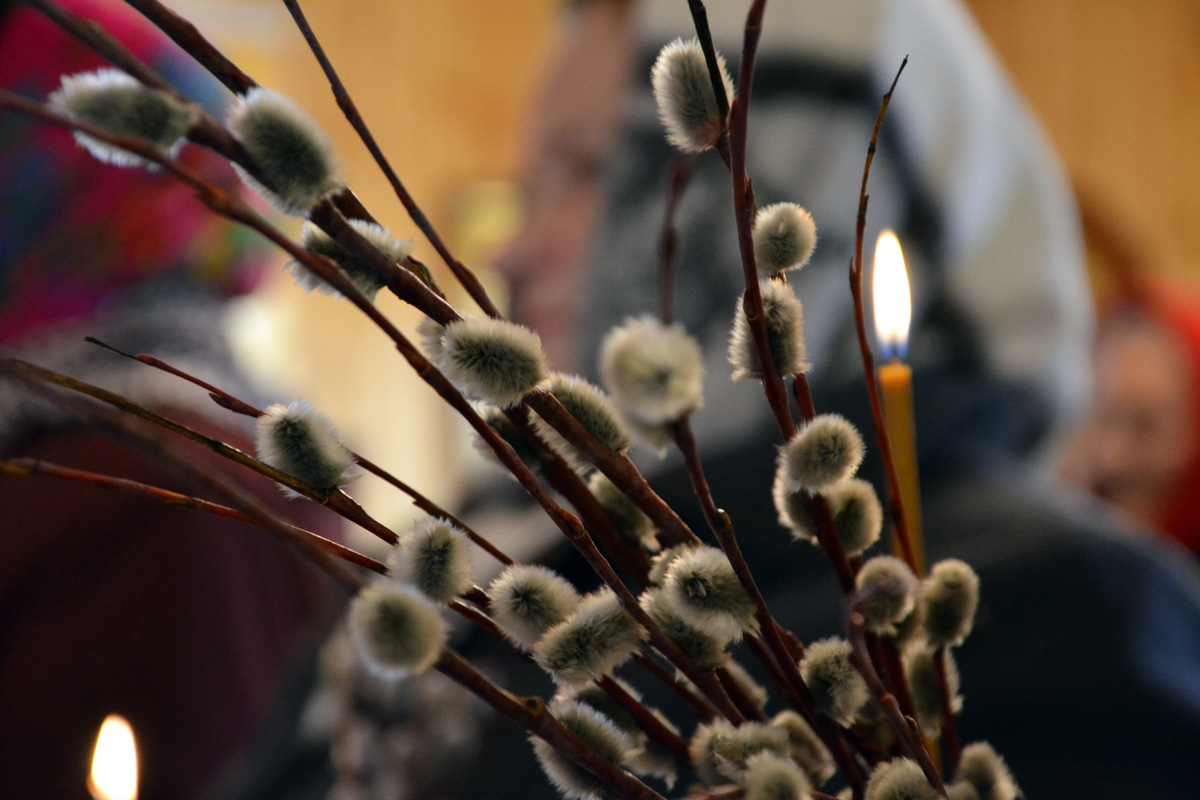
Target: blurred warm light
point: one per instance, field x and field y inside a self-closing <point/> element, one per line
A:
<point x="889" y="291"/>
<point x="114" y="764"/>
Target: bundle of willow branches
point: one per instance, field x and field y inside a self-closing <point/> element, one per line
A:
<point x="874" y="706"/>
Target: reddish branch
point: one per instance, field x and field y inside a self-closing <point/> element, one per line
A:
<point x="29" y="467"/>
<point x="949" y="726"/>
<point x="906" y="732"/>
<point x="530" y="714"/>
<point x="856" y="281"/>
<point x="743" y="206"/>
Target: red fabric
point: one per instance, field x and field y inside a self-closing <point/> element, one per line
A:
<point x="1181" y="517"/>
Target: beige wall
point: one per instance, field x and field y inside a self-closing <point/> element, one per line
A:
<point x="1117" y="84"/>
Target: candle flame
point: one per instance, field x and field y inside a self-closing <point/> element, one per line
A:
<point x="114" y="763"/>
<point x="889" y="291"/>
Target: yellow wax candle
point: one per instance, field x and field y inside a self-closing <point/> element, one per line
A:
<point x="893" y="314"/>
<point x="895" y="386"/>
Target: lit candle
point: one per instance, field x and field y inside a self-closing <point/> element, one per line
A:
<point x="114" y="773"/>
<point x="893" y="313"/>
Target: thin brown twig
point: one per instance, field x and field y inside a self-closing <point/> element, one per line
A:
<point x="617" y="468"/>
<point x="647" y="721"/>
<point x="185" y="34"/>
<point x="30" y="467"/>
<point x="707" y="711"/>
<point x="856" y="290"/>
<point x="462" y="273"/>
<point x="531" y="714"/>
<point x="908" y="735"/>
<point x="949" y="724"/>
<point x="744" y="212"/>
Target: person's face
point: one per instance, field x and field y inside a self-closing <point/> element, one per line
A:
<point x="1142" y="437"/>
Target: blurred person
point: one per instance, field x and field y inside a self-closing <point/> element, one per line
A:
<point x="1139" y="447"/>
<point x="109" y="603"/>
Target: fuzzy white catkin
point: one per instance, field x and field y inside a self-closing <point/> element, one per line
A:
<point x="857" y="513"/>
<point x="899" y="779"/>
<point x="950" y="597"/>
<point x="592" y="409"/>
<point x="434" y="556"/>
<point x="754" y="691"/>
<point x="926" y="693"/>
<point x="653" y="372"/>
<point x="784" y="316"/>
<point x="705" y="591"/>
<point x="294" y="158"/>
<point x="363" y="275"/>
<point x="983" y="768"/>
<point x="598" y="637"/>
<point x="119" y="104"/>
<point x="887" y="591"/>
<point x="630" y="521"/>
<point x="527" y="599"/>
<point x="499" y="422"/>
<point x="301" y="441"/>
<point x="784" y="237"/>
<point x="397" y="631"/>
<point x="683" y="91"/>
<point x="837" y="688"/>
<point x="493" y="360"/>
<point x="719" y="751"/>
<point x="705" y="652"/>
<point x="772" y="777"/>
<point x="805" y="746"/>
<point x="822" y="454"/>
<point x="598" y="732"/>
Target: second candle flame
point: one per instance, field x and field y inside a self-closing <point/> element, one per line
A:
<point x="889" y="293"/>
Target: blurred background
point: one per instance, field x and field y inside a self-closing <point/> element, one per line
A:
<point x="446" y="86"/>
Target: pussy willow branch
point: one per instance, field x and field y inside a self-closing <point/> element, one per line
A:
<point x="827" y="537"/>
<point x="834" y="737"/>
<point x="238" y="406"/>
<point x="206" y="131"/>
<point x="908" y="736"/>
<point x="744" y="211"/>
<point x="531" y="714"/>
<point x="30" y="467"/>
<point x="649" y="723"/>
<point x="619" y="469"/>
<point x="856" y="281"/>
<point x="949" y="725"/>
<point x="225" y="204"/>
<point x="564" y="480"/>
<point x="776" y="656"/>
<point x="462" y="273"/>
<point x="232" y="208"/>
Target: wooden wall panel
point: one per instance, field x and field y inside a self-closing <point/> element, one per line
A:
<point x="1117" y="84"/>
